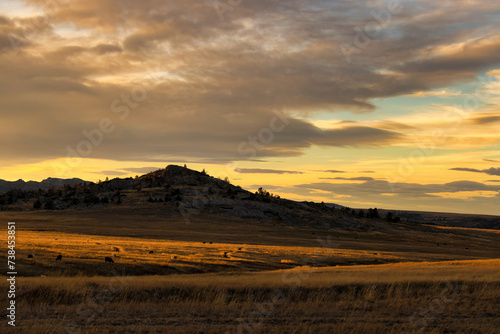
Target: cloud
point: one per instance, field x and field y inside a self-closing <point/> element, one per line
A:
<point x="489" y="171"/>
<point x="466" y="170"/>
<point x="218" y="81"/>
<point x="265" y="171"/>
<point x="141" y="169"/>
<point x="492" y="171"/>
<point x="486" y="119"/>
<point x="357" y="136"/>
<point x="375" y="188"/>
<point x="264" y="186"/>
<point x="491" y="160"/>
<point x="465" y="61"/>
<point x="110" y="172"/>
<point x="460" y="196"/>
<point x="102" y="49"/>
<point x="361" y="178"/>
<point x="335" y="171"/>
<point x="443" y="92"/>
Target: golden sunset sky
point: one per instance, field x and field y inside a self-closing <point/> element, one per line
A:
<point x="391" y="104"/>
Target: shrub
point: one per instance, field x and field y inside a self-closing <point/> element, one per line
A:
<point x="37" y="205"/>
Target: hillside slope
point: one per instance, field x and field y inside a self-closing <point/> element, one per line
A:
<point x="180" y="189"/>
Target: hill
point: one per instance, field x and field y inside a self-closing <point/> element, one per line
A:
<point x="46" y="184"/>
<point x="180" y="189"/>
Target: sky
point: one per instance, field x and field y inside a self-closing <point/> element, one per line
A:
<point x="390" y="104"/>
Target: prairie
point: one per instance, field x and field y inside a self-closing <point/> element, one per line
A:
<point x="441" y="297"/>
<point x="224" y="275"/>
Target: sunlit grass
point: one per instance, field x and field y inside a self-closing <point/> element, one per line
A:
<point x="84" y="255"/>
<point x="390" y="298"/>
<point x="216" y="276"/>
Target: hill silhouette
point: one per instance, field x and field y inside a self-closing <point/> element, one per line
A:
<point x="34" y="185"/>
<point x="191" y="192"/>
<point x="179" y="188"/>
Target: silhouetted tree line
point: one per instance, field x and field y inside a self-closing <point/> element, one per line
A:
<point x="390" y="217"/>
<point x="371" y="213"/>
<point x="319" y="206"/>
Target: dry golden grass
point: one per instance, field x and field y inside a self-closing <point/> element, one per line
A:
<point x="84" y="255"/>
<point x="365" y="282"/>
<point x="444" y="297"/>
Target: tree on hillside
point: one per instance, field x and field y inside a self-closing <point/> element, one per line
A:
<point x="373" y="213"/>
<point x="49" y="205"/>
<point x="263" y="192"/>
<point x="91" y="199"/>
<point x="389" y="216"/>
<point x="119" y="195"/>
<point x="266" y="194"/>
<point x="37" y="205"/>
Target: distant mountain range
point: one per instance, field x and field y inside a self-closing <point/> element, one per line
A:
<point x="34" y="185"/>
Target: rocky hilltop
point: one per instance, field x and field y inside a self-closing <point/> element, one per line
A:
<point x="189" y="192"/>
<point x="178" y="188"/>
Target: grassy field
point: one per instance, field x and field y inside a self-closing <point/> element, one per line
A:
<point x="221" y="275"/>
<point x="83" y="255"/>
<point x="442" y="297"/>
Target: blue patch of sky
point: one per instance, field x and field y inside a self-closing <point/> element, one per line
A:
<point x="408" y="105"/>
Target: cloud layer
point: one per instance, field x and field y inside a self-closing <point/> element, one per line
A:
<point x="295" y="83"/>
<point x="217" y="78"/>
<point x="489" y="171"/>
